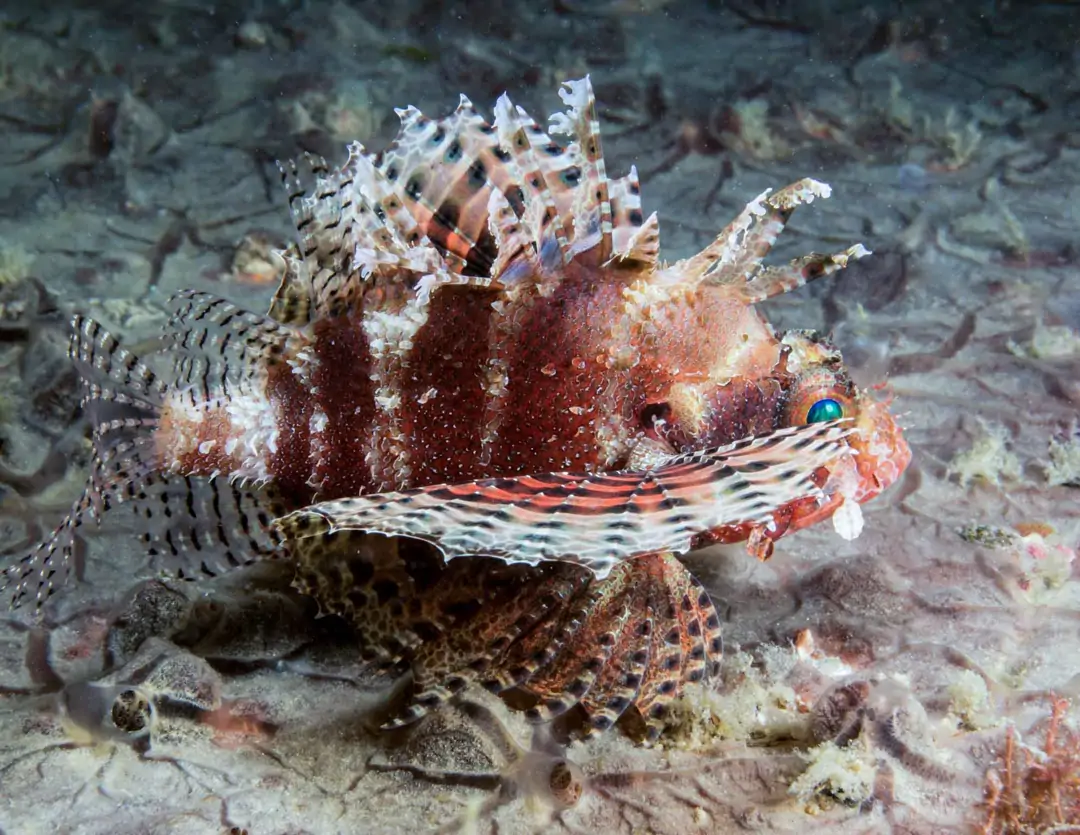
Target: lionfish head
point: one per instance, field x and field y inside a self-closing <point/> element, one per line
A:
<point x="821" y="390"/>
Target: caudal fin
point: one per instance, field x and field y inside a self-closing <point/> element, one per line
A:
<point x="187" y="526"/>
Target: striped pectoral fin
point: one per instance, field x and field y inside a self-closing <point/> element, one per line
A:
<point x="596" y="520"/>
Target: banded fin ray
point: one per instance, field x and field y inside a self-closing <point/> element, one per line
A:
<point x="632" y="237"/>
<point x="591" y="209"/>
<point x="121" y="397"/>
<point x="329" y="215"/>
<point x="594" y="519"/>
<point x="192" y="527"/>
<point x="582" y="657"/>
<point x="221" y="348"/>
<point x="546" y="225"/>
<point x="734" y="260"/>
<point x="445" y="172"/>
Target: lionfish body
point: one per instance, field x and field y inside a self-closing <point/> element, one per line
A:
<point x="476" y="352"/>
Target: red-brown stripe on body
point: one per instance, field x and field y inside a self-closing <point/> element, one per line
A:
<point x="555" y="350"/>
<point x="288" y="463"/>
<point x="341" y="386"/>
<point x="442" y="393"/>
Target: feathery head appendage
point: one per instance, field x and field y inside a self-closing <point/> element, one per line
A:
<point x="765" y="282"/>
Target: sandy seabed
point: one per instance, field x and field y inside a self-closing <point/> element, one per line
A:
<point x="919" y="679"/>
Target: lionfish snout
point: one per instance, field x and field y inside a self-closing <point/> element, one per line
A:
<point x="881" y="452"/>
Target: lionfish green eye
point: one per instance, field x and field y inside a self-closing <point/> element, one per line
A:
<point x="824" y="410"/>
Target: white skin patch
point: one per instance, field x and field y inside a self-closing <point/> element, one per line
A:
<point x="252" y="420"/>
<point x="390" y="339"/>
<point x="318" y="444"/>
<point x="255" y="419"/>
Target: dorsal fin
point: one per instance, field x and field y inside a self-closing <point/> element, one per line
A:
<point x="545" y="226"/>
<point x="220" y="348"/>
<point x="329" y="214"/>
<point x="445" y="172"/>
<point x="734" y="259"/>
<point x="736" y="254"/>
<point x="627" y="238"/>
<point x="317" y="241"/>
<point x="592" y="212"/>
<point x="517" y="258"/>
<point x="460" y="200"/>
<point x="292" y="302"/>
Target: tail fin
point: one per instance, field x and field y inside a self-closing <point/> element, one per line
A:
<point x="190" y="526"/>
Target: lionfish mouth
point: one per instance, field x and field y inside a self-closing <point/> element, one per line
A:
<point x="881" y="452"/>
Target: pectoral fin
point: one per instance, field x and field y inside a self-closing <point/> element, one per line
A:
<point x="593" y="519"/>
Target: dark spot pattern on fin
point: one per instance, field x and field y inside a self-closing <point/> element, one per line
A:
<point x="553" y="630"/>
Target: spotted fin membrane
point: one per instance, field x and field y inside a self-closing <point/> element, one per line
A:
<point x="571" y="644"/>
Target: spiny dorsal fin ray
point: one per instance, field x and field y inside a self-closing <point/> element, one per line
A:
<point x="643" y="245"/>
<point x="445" y="172"/>
<point x="627" y="222"/>
<point x="747" y="240"/>
<point x="596" y="519"/>
<point x="339" y="220"/>
<point x="221" y="348"/>
<point x="292" y="302"/>
<point x="302" y="179"/>
<point x="545" y="225"/>
<point x="365" y="226"/>
<point x="328" y="221"/>
<point x="516" y="260"/>
<point x="591" y="212"/>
